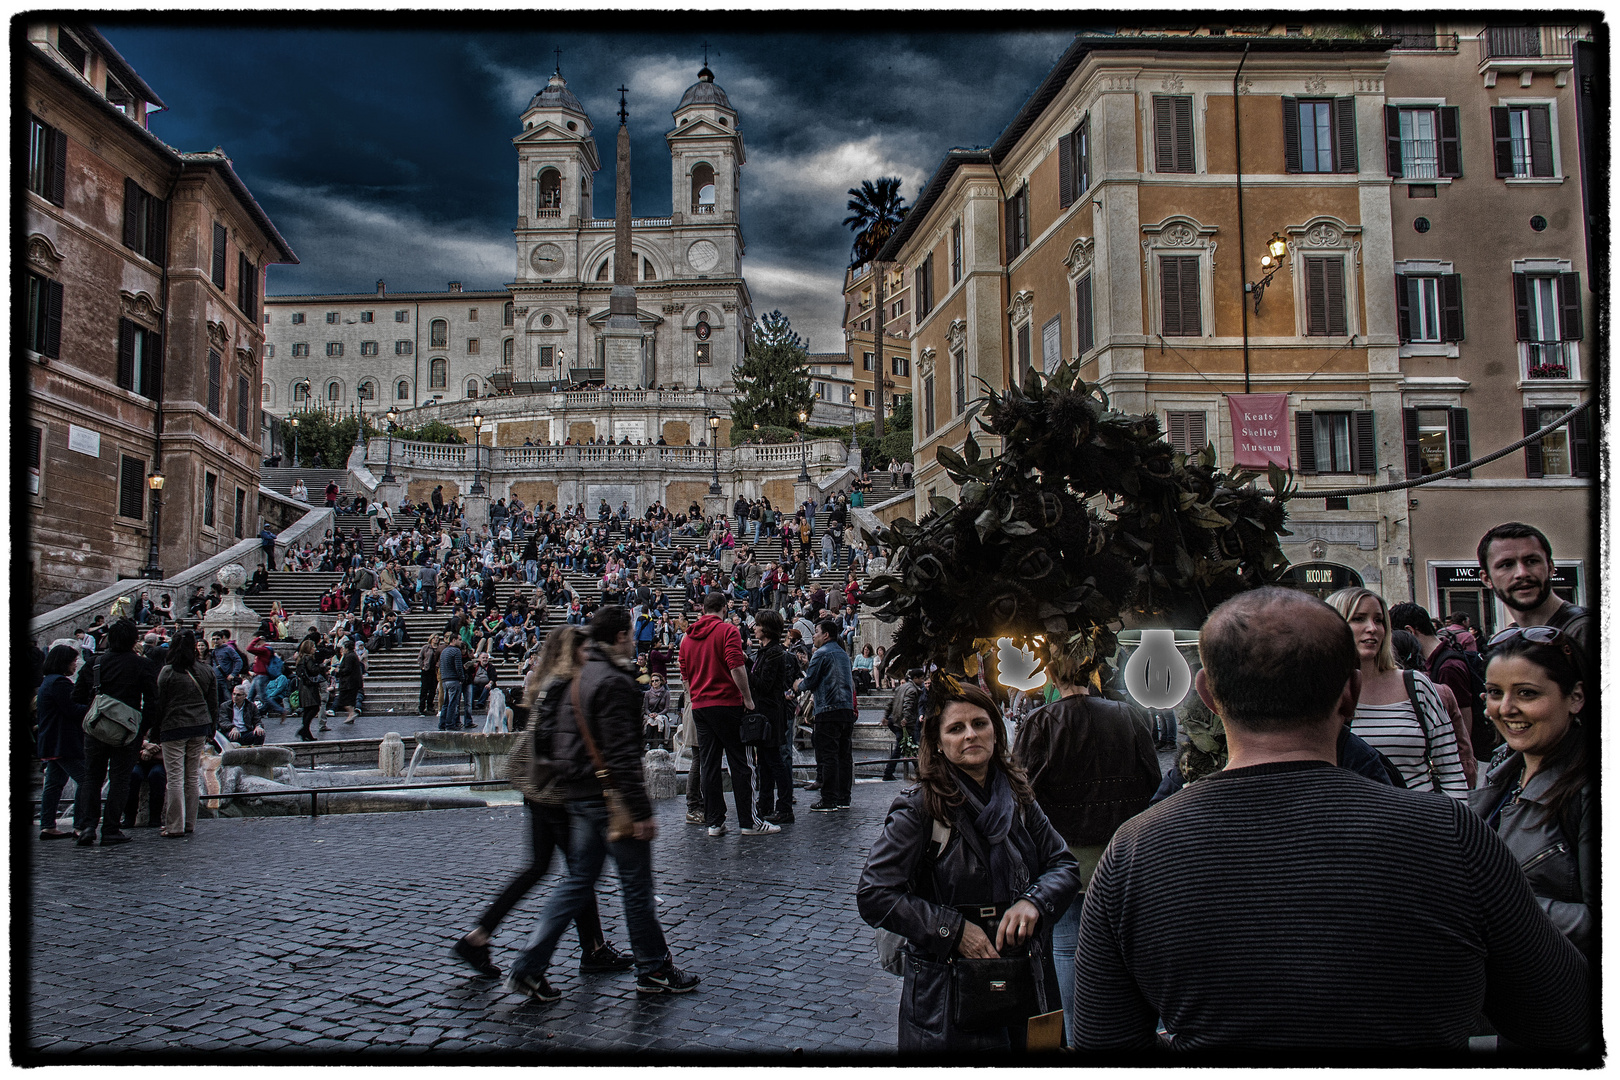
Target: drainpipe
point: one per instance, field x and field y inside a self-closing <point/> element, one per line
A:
<point x="152" y="567"/>
<point x="1243" y="256"/>
<point x="1006" y="287"/>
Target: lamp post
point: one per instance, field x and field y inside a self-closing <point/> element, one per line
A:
<point x="294" y="422"/>
<point x="152" y="569"/>
<point x="478" y="430"/>
<point x="714" y="440"/>
<point x="1270" y="262"/>
<point x="388" y="468"/>
<point x="804" y="460"/>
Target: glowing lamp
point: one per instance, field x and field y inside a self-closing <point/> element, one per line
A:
<point x="1015" y="667"/>
<point x="1157" y="675"/>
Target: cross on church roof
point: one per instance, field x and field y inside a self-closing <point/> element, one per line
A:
<point x="705" y="54"/>
<point x="559" y="60"/>
<point x="624" y="115"/>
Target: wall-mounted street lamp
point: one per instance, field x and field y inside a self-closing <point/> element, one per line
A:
<point x="388" y="469"/>
<point x="1276" y="254"/>
<point x="152" y="569"/>
<point x="294" y="422"/>
<point x="714" y="440"/>
<point x="478" y="430"/>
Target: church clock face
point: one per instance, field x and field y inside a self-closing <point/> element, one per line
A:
<point x="546" y="259"/>
<point x="703" y="256"/>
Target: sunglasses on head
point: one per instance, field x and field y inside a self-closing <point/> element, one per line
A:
<point x="1541" y="635"/>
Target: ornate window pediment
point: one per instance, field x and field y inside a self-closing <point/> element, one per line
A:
<point x="43" y="256"/>
<point x="925" y="361"/>
<point x="218" y="336"/>
<point x="139" y="307"/>
<point x="1023" y="304"/>
<point x="1081" y="254"/>
<point x="1180" y="231"/>
<point x="956" y="333"/>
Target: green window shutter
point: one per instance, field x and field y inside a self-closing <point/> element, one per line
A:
<point x="1459" y="441"/>
<point x="1291" y="160"/>
<point x="1451" y="310"/>
<point x="1305" y="442"/>
<point x="1345" y="158"/>
<point x="1450" y="142"/>
<point x="1392" y="139"/>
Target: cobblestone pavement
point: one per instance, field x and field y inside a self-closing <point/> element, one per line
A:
<point x="278" y="935"/>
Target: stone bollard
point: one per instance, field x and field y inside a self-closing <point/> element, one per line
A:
<point x="391" y="755"/>
<point x="658" y="774"/>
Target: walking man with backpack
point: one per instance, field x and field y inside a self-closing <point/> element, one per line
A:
<point x="595" y="748"/>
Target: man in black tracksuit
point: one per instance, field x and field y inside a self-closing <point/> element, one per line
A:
<point x="128" y="676"/>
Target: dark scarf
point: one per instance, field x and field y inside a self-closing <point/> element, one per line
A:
<point x="993" y="812"/>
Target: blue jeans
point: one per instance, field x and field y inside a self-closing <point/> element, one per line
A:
<point x="531" y="571"/>
<point x="588" y="848"/>
<point x="1064" y="935"/>
<point x="450" y="711"/>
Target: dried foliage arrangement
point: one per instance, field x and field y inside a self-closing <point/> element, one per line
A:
<point x="1087" y="519"/>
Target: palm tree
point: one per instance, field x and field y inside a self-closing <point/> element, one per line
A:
<point x="878" y="208"/>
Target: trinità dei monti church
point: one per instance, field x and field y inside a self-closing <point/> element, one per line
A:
<point x="620" y="304"/>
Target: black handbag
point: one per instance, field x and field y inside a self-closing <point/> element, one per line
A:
<point x="757" y="729"/>
<point x="995" y="993"/>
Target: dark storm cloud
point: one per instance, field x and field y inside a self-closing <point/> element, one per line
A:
<point x="386" y="153"/>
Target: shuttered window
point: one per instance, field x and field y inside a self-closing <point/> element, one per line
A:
<point x="1547" y="307"/>
<point x="146" y="222"/>
<point x="1436" y="441"/>
<point x="1178" y="295"/>
<point x="928" y="405"/>
<point x="1422" y="142"/>
<point x="923" y="280"/>
<point x="1074" y="163"/>
<point x="1017" y="222"/>
<point x="1429" y="307"/>
<point x="214" y="382"/>
<point x="1188" y="431"/>
<point x="959" y="376"/>
<point x="1564" y="451"/>
<point x="1522" y="138"/>
<point x="140" y="354"/>
<point x="1324" y="296"/>
<point x="43" y="330"/>
<point x="217" y="266"/>
<point x="36" y="459"/>
<point x="47" y="161"/>
<point x="1023" y="352"/>
<point x="131" y="487"/>
<point x="1319" y="135"/>
<point x="956" y="251"/>
<point x="1085" y="334"/>
<point x="1335" y="442"/>
<point x="244" y="402"/>
<point x="241" y="513"/>
<point x="1173" y="133"/>
<point x="210" y="497"/>
<point x="247" y="287"/>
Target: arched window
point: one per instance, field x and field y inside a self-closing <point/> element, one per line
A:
<point x="300" y="391"/>
<point x="368" y="391"/>
<point x="506" y="314"/>
<point x="703" y="188"/>
<point x="334" y="392"/>
<point x="403" y="390"/>
<point x="506" y="353"/>
<point x="439" y="335"/>
<point x="603" y="271"/>
<point x="472" y="387"/>
<point x="647" y="271"/>
<point x="438" y="372"/>
<point x="548" y="193"/>
<point x="267" y="395"/>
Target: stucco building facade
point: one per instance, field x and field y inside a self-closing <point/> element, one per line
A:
<point x="139" y="286"/>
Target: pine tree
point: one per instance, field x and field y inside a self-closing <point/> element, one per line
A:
<point x="773" y="381"/>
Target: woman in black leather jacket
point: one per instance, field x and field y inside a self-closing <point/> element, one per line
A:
<point x="1537" y="794"/>
<point x="1002" y="879"/>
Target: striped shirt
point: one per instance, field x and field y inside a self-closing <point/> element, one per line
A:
<point x="1394" y="731"/>
<point x="1295" y="904"/>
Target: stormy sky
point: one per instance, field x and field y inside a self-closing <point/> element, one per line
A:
<point x="381" y="146"/>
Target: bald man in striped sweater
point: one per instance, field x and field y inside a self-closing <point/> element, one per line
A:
<point x="1286" y="904"/>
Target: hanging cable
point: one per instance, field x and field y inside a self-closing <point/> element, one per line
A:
<point x="1486" y="460"/>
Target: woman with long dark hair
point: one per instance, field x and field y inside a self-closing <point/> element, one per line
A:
<point x="188" y="704"/>
<point x="1537" y="794"/>
<point x="968" y="869"/>
<point x="307" y="670"/>
<point x="61" y="738"/>
<point x="559" y="662"/>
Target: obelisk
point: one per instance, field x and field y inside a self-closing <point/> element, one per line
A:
<point x="621" y="339"/>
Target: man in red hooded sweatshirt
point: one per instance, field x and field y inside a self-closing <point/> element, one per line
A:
<point x="716" y="675"/>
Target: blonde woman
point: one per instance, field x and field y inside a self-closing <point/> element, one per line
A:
<point x="559" y="662"/>
<point x="1400" y="713"/>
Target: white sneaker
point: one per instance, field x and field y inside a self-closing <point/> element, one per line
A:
<point x="718" y="830"/>
<point x="761" y="827"/>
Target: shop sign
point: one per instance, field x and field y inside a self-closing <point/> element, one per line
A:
<point x="1259" y="429"/>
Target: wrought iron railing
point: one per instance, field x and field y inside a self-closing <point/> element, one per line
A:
<point x="1529" y="42"/>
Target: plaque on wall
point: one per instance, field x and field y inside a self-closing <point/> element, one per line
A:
<point x="546" y="258"/>
<point x="84" y="441"/>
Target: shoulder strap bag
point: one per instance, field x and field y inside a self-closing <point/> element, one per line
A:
<point x="619" y="826"/>
<point x="110" y="720"/>
<point x="1418" y="710"/>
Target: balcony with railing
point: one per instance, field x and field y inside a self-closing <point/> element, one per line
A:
<point x="1549" y="359"/>
<point x="548" y="212"/>
<point x="1529" y="48"/>
<point x="1417" y="37"/>
<point x="635" y="223"/>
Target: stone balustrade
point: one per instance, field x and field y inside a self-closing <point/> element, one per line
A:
<point x="497" y="459"/>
